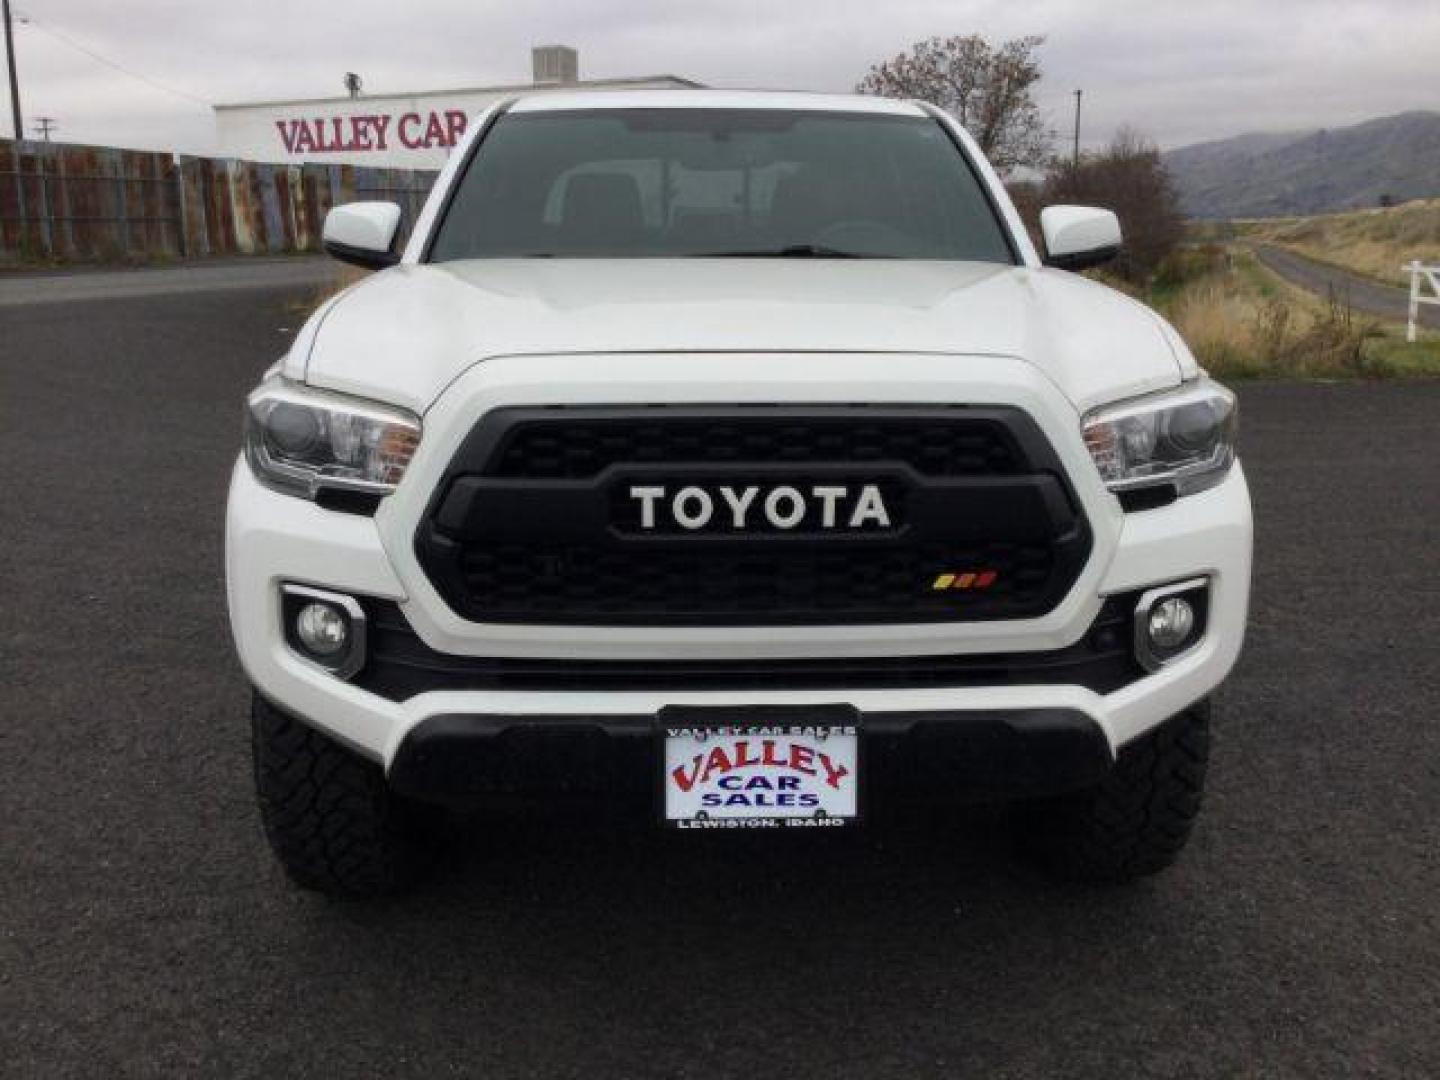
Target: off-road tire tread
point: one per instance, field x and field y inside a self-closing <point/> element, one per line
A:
<point x="328" y="814"/>
<point x="1138" y="820"/>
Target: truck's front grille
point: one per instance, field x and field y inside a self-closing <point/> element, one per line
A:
<point x="535" y="520"/>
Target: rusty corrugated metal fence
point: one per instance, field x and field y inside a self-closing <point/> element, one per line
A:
<point x="65" y="203"/>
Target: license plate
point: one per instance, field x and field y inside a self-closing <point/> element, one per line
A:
<point x="759" y="767"/>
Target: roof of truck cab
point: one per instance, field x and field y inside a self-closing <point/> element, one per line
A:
<point x="562" y="101"/>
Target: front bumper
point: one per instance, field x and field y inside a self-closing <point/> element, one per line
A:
<point x="274" y="539"/>
<point x="463" y="759"/>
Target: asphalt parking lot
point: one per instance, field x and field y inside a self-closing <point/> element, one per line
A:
<point x="144" y="929"/>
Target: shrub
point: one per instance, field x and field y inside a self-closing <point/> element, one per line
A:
<point x="1186" y="264"/>
<point x="1129" y="178"/>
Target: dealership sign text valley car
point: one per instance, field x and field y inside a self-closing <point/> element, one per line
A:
<point x="347" y="134"/>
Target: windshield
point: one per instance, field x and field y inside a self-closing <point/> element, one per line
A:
<point x="719" y="182"/>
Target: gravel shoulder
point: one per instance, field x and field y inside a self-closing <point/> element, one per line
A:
<point x="1363" y="294"/>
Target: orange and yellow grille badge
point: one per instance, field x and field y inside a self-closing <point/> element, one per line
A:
<point x="970" y="579"/>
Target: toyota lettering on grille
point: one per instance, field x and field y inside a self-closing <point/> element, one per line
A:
<point x="781" y="507"/>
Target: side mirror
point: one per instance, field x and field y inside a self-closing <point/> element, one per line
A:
<point x="362" y="233"/>
<point x="1079" y="236"/>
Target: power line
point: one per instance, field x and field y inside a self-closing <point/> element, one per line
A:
<point x="58" y="35"/>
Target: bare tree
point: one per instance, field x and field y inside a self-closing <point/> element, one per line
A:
<point x="988" y="90"/>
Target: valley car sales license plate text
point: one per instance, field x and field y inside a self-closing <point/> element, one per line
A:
<point x="761" y="776"/>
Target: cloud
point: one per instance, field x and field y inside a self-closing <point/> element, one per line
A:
<point x="1181" y="72"/>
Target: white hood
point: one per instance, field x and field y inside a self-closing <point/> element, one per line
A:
<point x="405" y="334"/>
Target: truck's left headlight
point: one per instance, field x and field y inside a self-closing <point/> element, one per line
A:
<point x="302" y="441"/>
<point x="1184" y="439"/>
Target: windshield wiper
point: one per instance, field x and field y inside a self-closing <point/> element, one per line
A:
<point x="792" y="251"/>
<point x="796" y="251"/>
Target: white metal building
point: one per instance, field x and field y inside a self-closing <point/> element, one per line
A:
<point x="407" y="130"/>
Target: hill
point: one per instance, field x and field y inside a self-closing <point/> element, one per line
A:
<point x="1310" y="172"/>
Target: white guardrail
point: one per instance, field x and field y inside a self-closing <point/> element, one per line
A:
<point x="1421" y="276"/>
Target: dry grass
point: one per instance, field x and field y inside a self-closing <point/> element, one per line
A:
<point x="1217" y="320"/>
<point x="1375" y="243"/>
<point x="1242" y="322"/>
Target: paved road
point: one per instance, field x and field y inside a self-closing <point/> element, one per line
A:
<point x="144" y="929"/>
<point x="1362" y="294"/>
<point x="24" y="289"/>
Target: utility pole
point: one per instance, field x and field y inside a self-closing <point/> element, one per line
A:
<point x="44" y="125"/>
<point x="14" y="79"/>
<point x="1075" y="156"/>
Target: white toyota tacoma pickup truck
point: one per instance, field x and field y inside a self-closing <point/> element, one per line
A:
<point x="740" y="446"/>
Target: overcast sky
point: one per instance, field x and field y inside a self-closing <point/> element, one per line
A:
<point x="1179" y="70"/>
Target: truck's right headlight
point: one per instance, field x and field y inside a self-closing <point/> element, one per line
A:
<point x="301" y="441"/>
<point x="1182" y="438"/>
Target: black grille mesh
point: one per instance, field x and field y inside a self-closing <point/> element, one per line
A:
<point x="858" y="583"/>
<point x="580" y="448"/>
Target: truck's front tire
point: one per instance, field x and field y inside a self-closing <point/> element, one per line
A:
<point x="1138" y="820"/>
<point x="331" y="819"/>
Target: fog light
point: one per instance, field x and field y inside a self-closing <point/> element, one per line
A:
<point x="1171" y="623"/>
<point x="322" y="629"/>
<point x="327" y="629"/>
